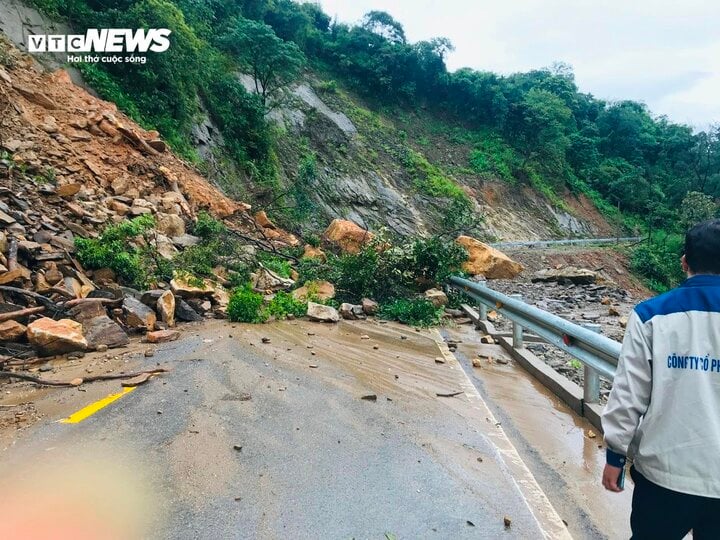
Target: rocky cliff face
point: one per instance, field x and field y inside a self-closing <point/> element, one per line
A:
<point x="361" y="175"/>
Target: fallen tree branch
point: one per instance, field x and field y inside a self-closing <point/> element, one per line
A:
<point x="38" y="297"/>
<point x="137" y="141"/>
<point x="262" y="246"/>
<point x="77" y="301"/>
<point x="20" y="313"/>
<point x="451" y="394"/>
<point x="79" y="380"/>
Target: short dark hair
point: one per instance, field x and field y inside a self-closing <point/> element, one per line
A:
<point x="702" y="247"/>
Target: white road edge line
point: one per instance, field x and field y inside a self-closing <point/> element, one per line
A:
<point x="547" y="518"/>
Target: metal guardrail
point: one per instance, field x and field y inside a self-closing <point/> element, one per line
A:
<point x="569" y="242"/>
<point x="598" y="353"/>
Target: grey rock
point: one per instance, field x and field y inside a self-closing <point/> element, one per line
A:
<point x="322" y="313"/>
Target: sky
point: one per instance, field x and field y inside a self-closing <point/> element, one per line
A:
<point x="665" y="53"/>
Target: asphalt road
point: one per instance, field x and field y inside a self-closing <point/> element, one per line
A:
<point x="244" y="439"/>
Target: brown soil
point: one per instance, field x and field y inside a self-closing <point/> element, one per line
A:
<point x="46" y="121"/>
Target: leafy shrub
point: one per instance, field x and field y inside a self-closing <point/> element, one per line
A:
<point x="275" y="264"/>
<point x="285" y="304"/>
<point x="658" y="263"/>
<point x="314" y="269"/>
<point x="217" y="247"/>
<point x="435" y="259"/>
<point x="312" y="240"/>
<point x="328" y="87"/>
<point x="457" y="298"/>
<point x="120" y="249"/>
<point x="417" y="312"/>
<point x="493" y="156"/>
<point x="246" y="306"/>
<point x="207" y="227"/>
<point x="383" y="272"/>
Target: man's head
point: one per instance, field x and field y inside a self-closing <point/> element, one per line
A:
<point x="702" y="248"/>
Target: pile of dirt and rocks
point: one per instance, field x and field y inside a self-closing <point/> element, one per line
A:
<point x="601" y="293"/>
<point x="70" y="165"/>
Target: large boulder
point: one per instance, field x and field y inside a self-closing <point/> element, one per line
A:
<point x="569" y="274"/>
<point x="263" y="221"/>
<point x="169" y="224"/>
<point x="351" y="312"/>
<point x="102" y="330"/>
<point x="150" y="297"/>
<point x="98" y="328"/>
<point x="322" y="313"/>
<point x="184" y="312"/>
<point x="348" y="236"/>
<point x="315" y="290"/>
<point x="50" y="337"/>
<point x="488" y="261"/>
<point x="138" y="316"/>
<point x="187" y="287"/>
<point x="370" y="307"/>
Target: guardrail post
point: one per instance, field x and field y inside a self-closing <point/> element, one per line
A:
<point x="591" y="385"/>
<point x="482" y="308"/>
<point x="518" y="340"/>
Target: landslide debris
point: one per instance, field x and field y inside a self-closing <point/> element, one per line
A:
<point x="72" y="167"/>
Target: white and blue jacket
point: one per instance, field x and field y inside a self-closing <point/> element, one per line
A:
<point x="664" y="408"/>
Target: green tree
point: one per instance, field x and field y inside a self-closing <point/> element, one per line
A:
<point x="272" y="62"/>
<point x="696" y="208"/>
<point x="539" y="126"/>
<point x="383" y="24"/>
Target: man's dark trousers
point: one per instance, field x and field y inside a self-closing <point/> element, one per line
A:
<point x="662" y="514"/>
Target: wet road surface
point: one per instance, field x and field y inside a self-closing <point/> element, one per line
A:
<point x="564" y="452"/>
<point x="245" y="439"/>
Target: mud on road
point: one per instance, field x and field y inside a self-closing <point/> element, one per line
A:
<point x="271" y="438"/>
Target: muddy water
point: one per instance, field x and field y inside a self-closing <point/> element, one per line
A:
<point x="410" y="368"/>
<point x="402" y="364"/>
<point x="564" y="452"/>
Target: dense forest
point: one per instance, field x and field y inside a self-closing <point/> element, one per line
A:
<point x="534" y="128"/>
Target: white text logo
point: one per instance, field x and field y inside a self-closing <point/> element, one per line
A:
<point x="112" y="40"/>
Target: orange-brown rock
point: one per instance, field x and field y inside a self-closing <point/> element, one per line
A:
<point x="315" y="290"/>
<point x="68" y="190"/>
<point x="162" y="336"/>
<point x="12" y="331"/>
<point x="49" y="336"/>
<point x="488" y="261"/>
<point x="187" y="287"/>
<point x="348" y="236"/>
<point x="263" y="221"/>
<point x="312" y="252"/>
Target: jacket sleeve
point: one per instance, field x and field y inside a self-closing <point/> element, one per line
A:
<point x="630" y="395"/>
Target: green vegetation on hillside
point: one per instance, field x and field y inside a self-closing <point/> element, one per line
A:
<point x="536" y="128"/>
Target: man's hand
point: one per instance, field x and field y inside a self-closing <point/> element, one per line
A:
<point x="610" y="478"/>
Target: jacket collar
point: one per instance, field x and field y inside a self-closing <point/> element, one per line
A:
<point x="702" y="280"/>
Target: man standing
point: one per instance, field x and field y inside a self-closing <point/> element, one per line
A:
<point x="664" y="408"/>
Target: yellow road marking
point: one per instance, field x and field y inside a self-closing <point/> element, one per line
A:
<point x="91" y="409"/>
